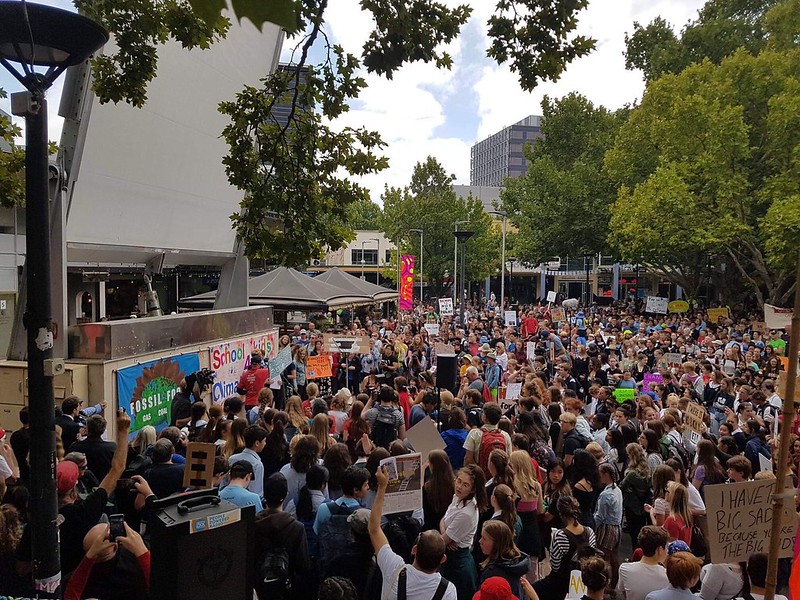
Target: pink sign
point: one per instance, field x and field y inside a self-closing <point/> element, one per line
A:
<point x="651" y="378"/>
<point x="407" y="282"/>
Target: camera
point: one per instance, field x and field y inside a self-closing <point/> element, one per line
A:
<point x="205" y="377"/>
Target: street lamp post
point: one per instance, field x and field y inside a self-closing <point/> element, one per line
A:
<point x="463" y="236"/>
<point x="455" y="260"/>
<point x="587" y="260"/>
<point x="421" y="233"/>
<point x="503" y="215"/>
<point x="511" y="261"/>
<point x="34" y="35"/>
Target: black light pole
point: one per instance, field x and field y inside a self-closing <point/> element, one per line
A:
<point x="511" y="261"/>
<point x="587" y="259"/>
<point x="34" y="35"/>
<point x="463" y="236"/>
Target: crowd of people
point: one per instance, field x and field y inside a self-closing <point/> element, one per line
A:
<point x="570" y="476"/>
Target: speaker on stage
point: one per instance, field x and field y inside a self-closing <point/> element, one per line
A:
<point x="447" y="372"/>
<point x="201" y="547"/>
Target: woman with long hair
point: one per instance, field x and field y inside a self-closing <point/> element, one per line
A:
<point x="145" y="438"/>
<point x="458" y="528"/>
<point x="336" y="460"/>
<point x="356" y="431"/>
<point x="556" y="484"/>
<point x="585" y="480"/>
<point x="299" y="363"/>
<point x="298" y="422"/>
<point x="503" y="558"/>
<point x="564" y="545"/>
<point x="608" y="519"/>
<point x="320" y="429"/>
<point x="635" y="487"/>
<point x="503" y="501"/>
<point x="438" y="489"/>
<point x="499" y="470"/>
<point x="707" y="469"/>
<point x="530" y="506"/>
<point x="679" y="522"/>
<point x="662" y="477"/>
<point x="304" y="453"/>
<point x="616" y="455"/>
<point x="649" y="441"/>
<point x="235" y="442"/>
<point x="276" y="449"/>
<point x="10" y="535"/>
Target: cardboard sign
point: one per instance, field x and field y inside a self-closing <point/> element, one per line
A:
<point x="760" y="326"/>
<point x="623" y="394"/>
<point x="576" y="587"/>
<point x="776" y="317"/>
<point x="740" y="520"/>
<point x="432" y="328"/>
<point x="530" y="350"/>
<point x="424" y="438"/>
<point x="199" y="470"/>
<point x="557" y="315"/>
<point x="511" y="318"/>
<point x="318" y="367"/>
<point x="551" y="296"/>
<point x="674" y="360"/>
<point x="278" y="364"/>
<point x="404" y="492"/>
<point x="693" y="417"/>
<point x="443" y="349"/>
<point x="513" y="391"/>
<point x="678" y="306"/>
<point x="651" y="378"/>
<point x="657" y="305"/>
<point x="783" y="378"/>
<point x="446" y="307"/>
<point x="764" y="463"/>
<point x="349" y="344"/>
<point x="715" y="314"/>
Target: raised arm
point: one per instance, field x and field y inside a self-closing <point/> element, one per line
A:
<point x="118" y="462"/>
<point x="376" y="534"/>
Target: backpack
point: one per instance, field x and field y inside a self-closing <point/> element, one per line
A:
<point x="384" y="430"/>
<point x="401" y="532"/>
<point x="311" y="536"/>
<point x="487" y="393"/>
<point x="334" y="534"/>
<point x="582" y="550"/>
<point x="273" y="568"/>
<point x="678" y="451"/>
<point x="699" y="546"/>
<point x="490" y="440"/>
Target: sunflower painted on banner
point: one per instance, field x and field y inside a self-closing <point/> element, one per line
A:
<point x="407" y="281"/>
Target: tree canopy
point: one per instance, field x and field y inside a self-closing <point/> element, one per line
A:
<point x="429" y="203"/>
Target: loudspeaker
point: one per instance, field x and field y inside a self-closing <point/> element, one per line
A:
<point x="447" y="373"/>
<point x="201" y="547"/>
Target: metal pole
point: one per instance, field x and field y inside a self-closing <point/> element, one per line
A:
<point x="587" y="294"/>
<point x="503" y="271"/>
<point x="46" y="560"/>
<point x="463" y="289"/>
<point x="363" y="262"/>
<point x="421" y="238"/>
<point x="779" y="494"/>
<point x="455" y="266"/>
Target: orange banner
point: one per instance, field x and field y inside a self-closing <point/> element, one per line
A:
<point x="318" y="366"/>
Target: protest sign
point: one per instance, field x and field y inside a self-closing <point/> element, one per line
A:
<point x="511" y="318"/>
<point x="715" y="314"/>
<point x="199" y="470"/>
<point x="551" y="296"/>
<point x="446" y="307"/>
<point x="674" y="360"/>
<point x="764" y="463"/>
<point x="657" y="305"/>
<point x="441" y="349"/>
<point x="623" y="394"/>
<point x="407" y="281"/>
<point x="776" y="317"/>
<point x="651" y="378"/>
<point x="404" y="492"/>
<point x="432" y="328"/>
<point x="760" y="326"/>
<point x="349" y="344"/>
<point x="577" y="589"/>
<point x="740" y="520"/>
<point x="557" y="315"/>
<point x="678" y="306"/>
<point x="783" y="378"/>
<point x="513" y="391"/>
<point x="509" y="396"/>
<point x="424" y="438"/>
<point x="230" y="359"/>
<point x="530" y="350"/>
<point x="693" y="417"/>
<point x="318" y="366"/>
<point x="278" y="364"/>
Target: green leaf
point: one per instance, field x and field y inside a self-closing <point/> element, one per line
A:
<point x="280" y="12"/>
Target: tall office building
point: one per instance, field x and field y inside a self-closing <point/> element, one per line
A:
<point x="500" y="155"/>
<point x="282" y="110"/>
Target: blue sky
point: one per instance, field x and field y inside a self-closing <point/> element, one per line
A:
<point x="426" y="111"/>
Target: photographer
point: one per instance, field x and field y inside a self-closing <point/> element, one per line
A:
<point x="181" y="411"/>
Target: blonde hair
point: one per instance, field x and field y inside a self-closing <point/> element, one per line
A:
<point x="297" y="416"/>
<point x="595" y="450"/>
<point x="636" y="460"/>
<point x="679" y="501"/>
<point x="312" y="389"/>
<point x="525" y="482"/>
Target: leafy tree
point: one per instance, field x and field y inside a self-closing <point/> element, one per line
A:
<point x="561" y="205"/>
<point x="429" y="203"/>
<point x="708" y="165"/>
<point x="721" y="28"/>
<point x="12" y="163"/>
<point x="363" y="215"/>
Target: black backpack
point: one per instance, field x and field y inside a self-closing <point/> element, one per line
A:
<point x="273" y="570"/>
<point x="402" y="532"/>
<point x="384" y="429"/>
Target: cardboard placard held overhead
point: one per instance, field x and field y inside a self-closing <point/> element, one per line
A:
<point x="674" y="360"/>
<point x="715" y="314"/>
<point x="623" y="394"/>
<point x="776" y="317"/>
<point x="199" y="470"/>
<point x="558" y="315"/>
<point x="651" y="378"/>
<point x="551" y="296"/>
<point x="318" y="366"/>
<point x="424" y="438"/>
<point x="348" y="344"/>
<point x="530" y="350"/>
<point x="432" y="328"/>
<point x="511" y="318"/>
<point x="446" y="307"/>
<point x="656" y="305"/>
<point x="740" y="520"/>
<point x="693" y="417"/>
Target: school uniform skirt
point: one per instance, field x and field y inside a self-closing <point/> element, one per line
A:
<point x="460" y="570"/>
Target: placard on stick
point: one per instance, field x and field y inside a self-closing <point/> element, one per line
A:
<point x="740" y="520"/>
<point x="199" y="470"/>
<point x="693" y="417"/>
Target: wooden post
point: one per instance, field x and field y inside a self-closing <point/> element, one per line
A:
<point x="779" y="495"/>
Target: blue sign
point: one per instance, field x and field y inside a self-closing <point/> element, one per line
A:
<point x="146" y="390"/>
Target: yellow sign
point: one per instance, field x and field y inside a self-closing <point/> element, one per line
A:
<point x="678" y="306"/>
<point x="715" y="314"/>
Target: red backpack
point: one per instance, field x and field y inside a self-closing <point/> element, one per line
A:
<point x="490" y="440"/>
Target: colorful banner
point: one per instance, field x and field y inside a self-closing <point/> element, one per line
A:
<point x="146" y="390"/>
<point x="318" y="366"/>
<point x="407" y="282"/>
<point x="231" y="359"/>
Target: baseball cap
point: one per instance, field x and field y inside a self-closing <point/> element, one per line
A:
<point x="359" y="521"/>
<point x="67" y="475"/>
<point x="678" y="546"/>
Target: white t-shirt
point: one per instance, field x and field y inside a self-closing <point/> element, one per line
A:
<point x="761" y="597"/>
<point x="696" y="503"/>
<point x="461" y="522"/>
<point x="5" y="469"/>
<point x="419" y="585"/>
<point x="638" y="579"/>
